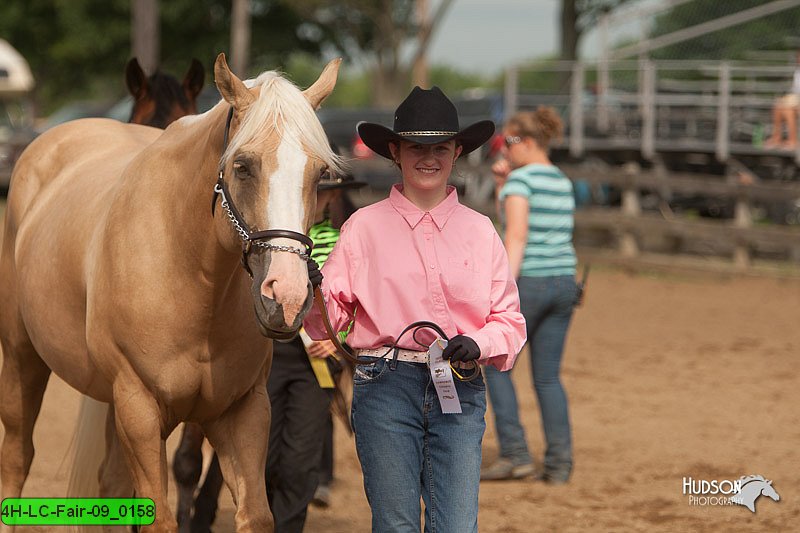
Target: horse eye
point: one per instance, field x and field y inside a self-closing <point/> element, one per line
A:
<point x="240" y="169"/>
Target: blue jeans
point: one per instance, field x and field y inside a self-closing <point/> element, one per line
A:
<point x="547" y="305"/>
<point x="409" y="449"/>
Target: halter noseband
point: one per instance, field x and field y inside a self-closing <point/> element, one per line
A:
<point x="249" y="237"/>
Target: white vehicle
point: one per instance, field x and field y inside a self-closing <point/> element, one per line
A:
<point x="16" y="109"/>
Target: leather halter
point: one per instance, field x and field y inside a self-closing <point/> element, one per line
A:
<point x="248" y="236"/>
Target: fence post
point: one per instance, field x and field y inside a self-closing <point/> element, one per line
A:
<point x="743" y="219"/>
<point x="648" y="103"/>
<point x="511" y="90"/>
<point x="576" y="112"/>
<point x="723" y="113"/>
<point x="631" y="210"/>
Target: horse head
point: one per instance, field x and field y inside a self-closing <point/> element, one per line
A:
<point x="268" y="180"/>
<point x="160" y="99"/>
<point x="768" y="490"/>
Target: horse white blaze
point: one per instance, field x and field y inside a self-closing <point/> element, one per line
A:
<point x="287" y="279"/>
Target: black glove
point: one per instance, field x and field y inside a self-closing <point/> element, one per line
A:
<point x="314" y="275"/>
<point x="461" y="348"/>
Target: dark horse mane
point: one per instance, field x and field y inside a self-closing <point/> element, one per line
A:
<point x="168" y="97"/>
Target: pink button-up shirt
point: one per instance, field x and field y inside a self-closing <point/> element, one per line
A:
<point x="395" y="264"/>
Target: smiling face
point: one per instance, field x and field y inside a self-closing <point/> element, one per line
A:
<point x="425" y="167"/>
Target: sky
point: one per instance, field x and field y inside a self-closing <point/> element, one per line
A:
<point x="485" y="36"/>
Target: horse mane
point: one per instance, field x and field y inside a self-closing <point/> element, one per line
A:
<point x="747" y="479"/>
<point x="165" y="89"/>
<point x="282" y="106"/>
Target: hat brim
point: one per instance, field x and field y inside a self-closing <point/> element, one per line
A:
<point x="350" y="184"/>
<point x="378" y="137"/>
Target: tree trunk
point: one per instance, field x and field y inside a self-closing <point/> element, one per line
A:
<point x="570" y="34"/>
<point x="145" y="34"/>
<point x="419" y="68"/>
<point x="240" y="37"/>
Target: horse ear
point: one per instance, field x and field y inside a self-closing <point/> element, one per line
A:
<point x="135" y="79"/>
<point x="323" y="87"/>
<point x="194" y="79"/>
<point x="232" y="89"/>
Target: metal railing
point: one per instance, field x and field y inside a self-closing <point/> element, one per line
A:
<point x="720" y="107"/>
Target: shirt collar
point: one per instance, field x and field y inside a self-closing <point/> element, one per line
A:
<point x="413" y="214"/>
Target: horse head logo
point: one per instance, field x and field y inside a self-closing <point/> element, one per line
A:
<point x="751" y="488"/>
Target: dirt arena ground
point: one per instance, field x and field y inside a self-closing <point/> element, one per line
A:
<point x="668" y="376"/>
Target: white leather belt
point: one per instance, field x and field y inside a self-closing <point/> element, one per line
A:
<point x="409" y="356"/>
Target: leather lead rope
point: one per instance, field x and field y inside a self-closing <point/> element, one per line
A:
<point x="342" y="351"/>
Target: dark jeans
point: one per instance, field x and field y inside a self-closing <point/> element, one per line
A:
<point x="547" y="305"/>
<point x="300" y="411"/>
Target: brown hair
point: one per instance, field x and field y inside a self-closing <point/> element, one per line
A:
<point x="542" y="125"/>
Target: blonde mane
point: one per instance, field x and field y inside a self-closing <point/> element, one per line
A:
<point x="281" y="107"/>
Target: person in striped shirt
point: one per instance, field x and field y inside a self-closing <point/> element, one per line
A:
<point x="537" y="204"/>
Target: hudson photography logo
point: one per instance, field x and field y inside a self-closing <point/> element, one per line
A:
<point x="743" y="491"/>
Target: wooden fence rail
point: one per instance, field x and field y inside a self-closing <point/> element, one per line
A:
<point x="630" y="224"/>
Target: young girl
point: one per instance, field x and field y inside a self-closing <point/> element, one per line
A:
<point x="421" y="255"/>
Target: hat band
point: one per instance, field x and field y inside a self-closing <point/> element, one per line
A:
<point x="415" y="133"/>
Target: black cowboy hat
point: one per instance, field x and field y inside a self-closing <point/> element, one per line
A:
<point x="347" y="181"/>
<point x="425" y="117"/>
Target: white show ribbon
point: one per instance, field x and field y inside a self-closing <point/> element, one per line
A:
<point x="443" y="378"/>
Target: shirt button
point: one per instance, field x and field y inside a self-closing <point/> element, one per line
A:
<point x="433" y="266"/>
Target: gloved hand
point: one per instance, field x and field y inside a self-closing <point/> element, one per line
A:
<point x="314" y="275"/>
<point x="461" y="348"/>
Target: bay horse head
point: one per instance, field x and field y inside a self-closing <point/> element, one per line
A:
<point x="267" y="182"/>
<point x="159" y="99"/>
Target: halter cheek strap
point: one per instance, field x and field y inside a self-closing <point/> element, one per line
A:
<point x="248" y="236"/>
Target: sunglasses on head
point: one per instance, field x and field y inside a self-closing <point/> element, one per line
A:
<point x="512" y="139"/>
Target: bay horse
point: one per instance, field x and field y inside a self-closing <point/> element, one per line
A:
<point x="160" y="99"/>
<point x="121" y="271"/>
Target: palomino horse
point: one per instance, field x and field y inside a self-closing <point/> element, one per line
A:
<point x="116" y="275"/>
<point x="159" y="99"/>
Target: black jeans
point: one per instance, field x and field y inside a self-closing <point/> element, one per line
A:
<point x="300" y="410"/>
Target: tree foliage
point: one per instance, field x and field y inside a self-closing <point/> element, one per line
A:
<point x="776" y="31"/>
<point x="376" y="33"/>
<point x="579" y="16"/>
<point x="77" y="49"/>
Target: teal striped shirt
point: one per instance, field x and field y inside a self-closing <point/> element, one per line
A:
<point x="551" y="208"/>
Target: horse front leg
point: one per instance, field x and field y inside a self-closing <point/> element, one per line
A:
<point x="240" y="436"/>
<point x="187" y="467"/>
<point x="138" y="422"/>
<point x="23" y="380"/>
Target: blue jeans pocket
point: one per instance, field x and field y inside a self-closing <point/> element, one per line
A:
<point x="477" y="384"/>
<point x="365" y="374"/>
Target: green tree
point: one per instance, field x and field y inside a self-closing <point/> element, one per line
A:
<point x="77" y="49"/>
<point x="577" y="17"/>
<point x="374" y="33"/>
<point x="776" y="31"/>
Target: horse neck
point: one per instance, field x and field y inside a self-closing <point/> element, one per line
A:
<point x="191" y="151"/>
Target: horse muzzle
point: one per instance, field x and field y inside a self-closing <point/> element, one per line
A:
<point x="271" y="317"/>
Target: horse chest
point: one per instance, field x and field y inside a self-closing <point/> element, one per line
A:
<point x="209" y="383"/>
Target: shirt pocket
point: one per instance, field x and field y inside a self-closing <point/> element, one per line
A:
<point x="462" y="279"/>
